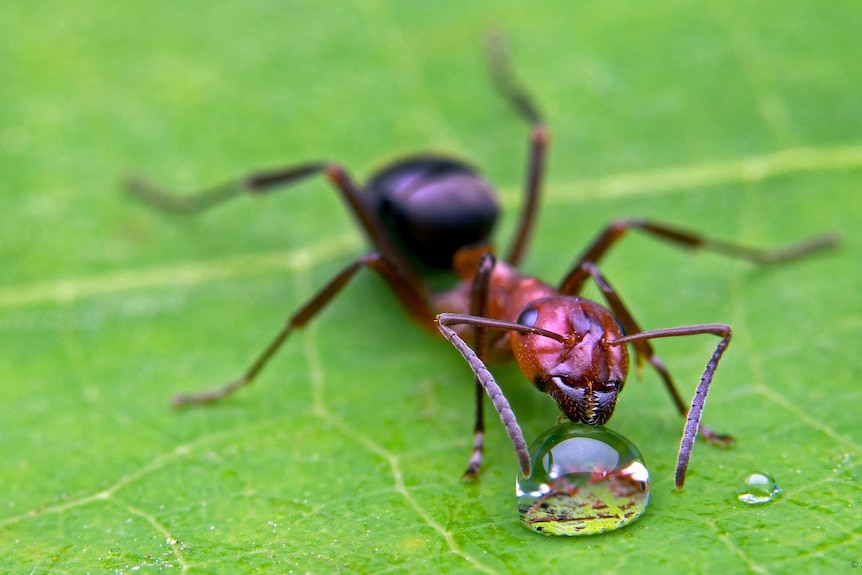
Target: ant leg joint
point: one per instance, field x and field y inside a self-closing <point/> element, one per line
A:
<point x="541" y="134"/>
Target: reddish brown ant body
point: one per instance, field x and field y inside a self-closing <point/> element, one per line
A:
<point x="429" y="212"/>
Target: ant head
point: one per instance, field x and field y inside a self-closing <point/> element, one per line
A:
<point x="582" y="373"/>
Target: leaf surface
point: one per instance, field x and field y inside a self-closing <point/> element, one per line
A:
<point x="740" y="121"/>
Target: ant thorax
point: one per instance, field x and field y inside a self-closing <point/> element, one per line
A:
<point x="509" y="293"/>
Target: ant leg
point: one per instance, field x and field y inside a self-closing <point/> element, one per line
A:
<point x="573" y="283"/>
<point x="500" y="67"/>
<point x="486" y="380"/>
<point x="644" y="349"/>
<point x="501" y="72"/>
<point x="484" y="377"/>
<point x="157" y="197"/>
<point x="479" y="307"/>
<point x="535" y="172"/>
<point x="692" y="414"/>
<point x="263" y="182"/>
<point x="692" y="422"/>
<point x="412" y="301"/>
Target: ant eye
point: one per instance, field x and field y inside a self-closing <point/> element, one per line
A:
<point x="528" y="317"/>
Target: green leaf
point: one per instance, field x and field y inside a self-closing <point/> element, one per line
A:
<point x="738" y="120"/>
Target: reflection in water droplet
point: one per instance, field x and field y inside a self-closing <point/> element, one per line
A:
<point x="758" y="487"/>
<point x="585" y="480"/>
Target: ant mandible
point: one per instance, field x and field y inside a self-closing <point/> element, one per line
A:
<point x="431" y="212"/>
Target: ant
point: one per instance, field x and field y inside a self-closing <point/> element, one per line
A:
<point x="426" y="213"/>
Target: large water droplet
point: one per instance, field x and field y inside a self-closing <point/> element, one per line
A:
<point x="585" y="480"/>
<point x="758" y="487"/>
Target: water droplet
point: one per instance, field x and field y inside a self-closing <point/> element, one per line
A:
<point x="585" y="480"/>
<point x="758" y="487"/>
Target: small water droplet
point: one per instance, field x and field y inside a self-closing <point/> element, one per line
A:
<point x="758" y="487"/>
<point x="585" y="480"/>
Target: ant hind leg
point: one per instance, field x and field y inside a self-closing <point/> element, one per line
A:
<point x="519" y="97"/>
<point x="412" y="301"/>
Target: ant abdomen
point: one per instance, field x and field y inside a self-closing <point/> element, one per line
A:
<point x="432" y="206"/>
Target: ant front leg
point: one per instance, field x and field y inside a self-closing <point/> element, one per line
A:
<point x="483" y="376"/>
<point x="413" y="301"/>
<point x="643" y="348"/>
<point x="479" y="307"/>
<point x="616" y="230"/>
<point x="692" y="422"/>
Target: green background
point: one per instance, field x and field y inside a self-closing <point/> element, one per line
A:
<point x="738" y="119"/>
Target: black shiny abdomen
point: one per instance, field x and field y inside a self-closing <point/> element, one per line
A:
<point x="433" y="206"/>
